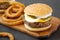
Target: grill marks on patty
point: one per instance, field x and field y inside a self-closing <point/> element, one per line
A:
<point x="38" y="24"/>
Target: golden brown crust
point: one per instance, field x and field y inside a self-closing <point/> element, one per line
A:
<point x="8" y="21"/>
<point x="7" y="34"/>
<point x="5" y="18"/>
<point x="19" y="11"/>
<point x="38" y="9"/>
<point x="13" y="18"/>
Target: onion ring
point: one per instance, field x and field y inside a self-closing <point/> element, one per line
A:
<point x="15" y="4"/>
<point x="12" y="21"/>
<point x="4" y="17"/>
<point x="7" y="34"/>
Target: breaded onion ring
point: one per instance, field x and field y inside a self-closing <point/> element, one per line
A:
<point x="7" y="34"/>
<point x="14" y="7"/>
<point x="8" y="21"/>
<point x="5" y="18"/>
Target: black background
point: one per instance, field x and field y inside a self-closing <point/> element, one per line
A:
<point x="55" y="4"/>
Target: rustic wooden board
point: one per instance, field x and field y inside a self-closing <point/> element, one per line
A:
<point x="55" y="24"/>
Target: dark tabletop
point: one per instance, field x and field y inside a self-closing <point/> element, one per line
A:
<point x="55" y="4"/>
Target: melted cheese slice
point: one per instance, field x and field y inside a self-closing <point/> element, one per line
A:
<point x="44" y="20"/>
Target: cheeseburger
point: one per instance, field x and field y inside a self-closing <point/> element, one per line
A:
<point x="4" y="4"/>
<point x="37" y="17"/>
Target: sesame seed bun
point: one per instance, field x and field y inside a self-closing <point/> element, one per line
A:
<point x="38" y="9"/>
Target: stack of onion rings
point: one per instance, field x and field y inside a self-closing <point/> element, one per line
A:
<point x="6" y="34"/>
<point x="18" y="5"/>
<point x="15" y="17"/>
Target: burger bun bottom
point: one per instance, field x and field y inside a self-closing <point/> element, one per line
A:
<point x="36" y="29"/>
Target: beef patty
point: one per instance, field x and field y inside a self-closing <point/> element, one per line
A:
<point x="38" y="24"/>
